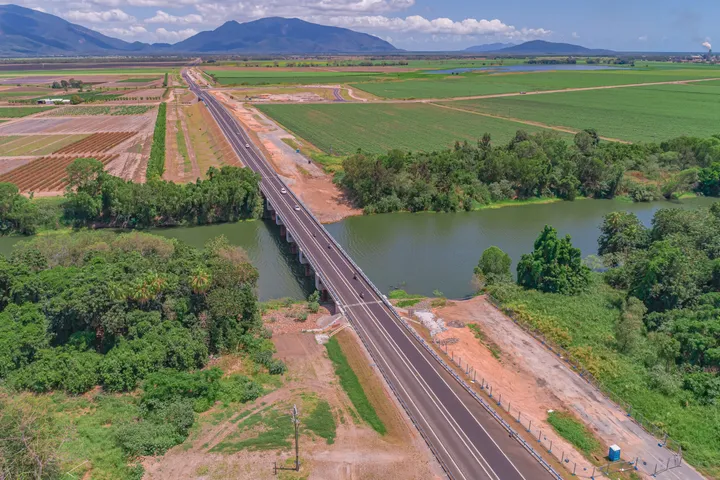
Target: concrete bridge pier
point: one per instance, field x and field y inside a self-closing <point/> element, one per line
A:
<point x="320" y="287"/>
<point x="269" y="211"/>
<point x="304" y="261"/>
<point x="291" y="241"/>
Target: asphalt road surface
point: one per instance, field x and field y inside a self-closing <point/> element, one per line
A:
<point x="467" y="441"/>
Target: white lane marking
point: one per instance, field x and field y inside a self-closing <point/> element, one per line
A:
<point x="390" y="341"/>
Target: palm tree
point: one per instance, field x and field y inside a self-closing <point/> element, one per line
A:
<point x="200" y="281"/>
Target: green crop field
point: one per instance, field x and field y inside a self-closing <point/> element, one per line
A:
<point x="471" y="84"/>
<point x="270" y="77"/>
<point x="19" y="112"/>
<point x="139" y="80"/>
<point x="20" y="93"/>
<point x="343" y="128"/>
<point x="636" y="114"/>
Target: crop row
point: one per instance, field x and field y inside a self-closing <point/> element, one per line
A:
<point x="97" y="143"/>
<point x="46" y="174"/>
<point x="101" y="110"/>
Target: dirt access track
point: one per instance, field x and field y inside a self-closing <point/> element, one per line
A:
<point x="535" y="380"/>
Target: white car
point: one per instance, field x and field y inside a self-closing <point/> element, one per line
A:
<point x="297" y="208"/>
<point x="283" y="191"/>
<point x="247" y="145"/>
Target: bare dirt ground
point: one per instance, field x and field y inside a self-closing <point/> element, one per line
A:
<point x="150" y="92"/>
<point x="307" y="179"/>
<point x="8" y="164"/>
<point x="535" y="380"/>
<point x="95" y="124"/>
<point x="358" y="452"/>
<point x="175" y="168"/>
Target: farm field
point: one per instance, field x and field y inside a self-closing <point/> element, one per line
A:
<point x="97" y="143"/>
<point x="100" y="123"/>
<point x="76" y="111"/>
<point x="139" y="80"/>
<point x="16" y="146"/>
<point x="87" y="72"/>
<point x="19" y="112"/>
<point x="46" y="174"/>
<point x="269" y="77"/>
<point x="343" y="128"/>
<point x="639" y="114"/>
<point x="471" y="84"/>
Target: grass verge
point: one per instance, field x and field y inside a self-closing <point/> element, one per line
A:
<point x="480" y="335"/>
<point x="575" y="432"/>
<point x="352" y="386"/>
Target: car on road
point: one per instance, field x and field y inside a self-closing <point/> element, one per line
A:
<point x="297" y="208"/>
<point x="247" y="145"/>
<point x="283" y="191"/>
<point x="522" y="93"/>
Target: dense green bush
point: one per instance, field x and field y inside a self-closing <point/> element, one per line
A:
<point x="536" y="165"/>
<point x="229" y="194"/>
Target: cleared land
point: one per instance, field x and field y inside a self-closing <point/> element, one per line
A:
<point x="94" y="124"/>
<point x="470" y="84"/>
<point x="16" y="146"/>
<point x="207" y="142"/>
<point x="46" y="174"/>
<point x="639" y="114"/>
<point x="343" y="128"/>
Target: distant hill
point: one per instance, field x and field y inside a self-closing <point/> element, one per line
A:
<point x="488" y="47"/>
<point x="31" y="33"/>
<point x="27" y="32"/>
<point x="281" y="35"/>
<point x="541" y="47"/>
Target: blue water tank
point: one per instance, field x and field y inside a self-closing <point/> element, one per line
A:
<point x="614" y="453"/>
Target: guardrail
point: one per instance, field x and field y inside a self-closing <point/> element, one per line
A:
<point x="417" y="337"/>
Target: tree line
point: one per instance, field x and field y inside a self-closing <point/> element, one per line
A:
<point x="669" y="275"/>
<point x="94" y="198"/>
<point x="538" y="165"/>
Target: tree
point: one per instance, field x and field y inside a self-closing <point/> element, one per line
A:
<point x="76" y="100"/>
<point x="629" y="328"/>
<point x="620" y="234"/>
<point x="554" y="266"/>
<point x="493" y="267"/>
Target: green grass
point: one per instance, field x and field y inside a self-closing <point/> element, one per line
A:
<point x="19" y="112"/>
<point x="265" y="430"/>
<point x="28" y="93"/>
<point x="80" y="72"/>
<point x="376" y="128"/>
<point x="182" y="147"/>
<point x="350" y="383"/>
<point x="322" y="422"/>
<point x="138" y="80"/>
<point x="409" y="302"/>
<point x="585" y="324"/>
<point x="574" y="432"/>
<point x="471" y="84"/>
<point x="647" y="114"/>
<point x="270" y="77"/>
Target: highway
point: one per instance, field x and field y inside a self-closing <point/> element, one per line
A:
<point x="466" y="440"/>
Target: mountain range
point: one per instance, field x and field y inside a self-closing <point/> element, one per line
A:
<point x="27" y="32"/>
<point x="31" y="33"/>
<point x="488" y="47"/>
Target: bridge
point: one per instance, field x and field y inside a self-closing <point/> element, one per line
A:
<point x="467" y="440"/>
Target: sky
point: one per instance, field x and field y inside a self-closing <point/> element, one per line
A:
<point x="420" y="25"/>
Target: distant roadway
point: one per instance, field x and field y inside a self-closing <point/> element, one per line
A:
<point x="467" y="441"/>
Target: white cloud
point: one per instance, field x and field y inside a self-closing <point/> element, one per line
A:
<point x="643" y="38"/>
<point x="39" y="9"/>
<point x="172" y="36"/>
<point x="131" y="32"/>
<point x="164" y="17"/>
<point x="575" y="35"/>
<point x="114" y="15"/>
<point x="446" y="26"/>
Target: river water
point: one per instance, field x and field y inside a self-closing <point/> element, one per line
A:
<point x="418" y="252"/>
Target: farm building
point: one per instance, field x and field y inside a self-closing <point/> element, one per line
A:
<point x="52" y="101"/>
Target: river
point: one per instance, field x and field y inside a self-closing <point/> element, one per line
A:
<point x="417" y="252"/>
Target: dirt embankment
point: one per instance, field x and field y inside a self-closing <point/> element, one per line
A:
<point x="535" y="381"/>
<point x="307" y="179"/>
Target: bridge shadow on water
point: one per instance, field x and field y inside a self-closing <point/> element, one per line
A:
<point x="292" y="259"/>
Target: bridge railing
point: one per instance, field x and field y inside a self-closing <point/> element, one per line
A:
<point x="417" y="337"/>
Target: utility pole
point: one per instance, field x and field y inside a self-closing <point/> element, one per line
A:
<point x="296" y="422"/>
